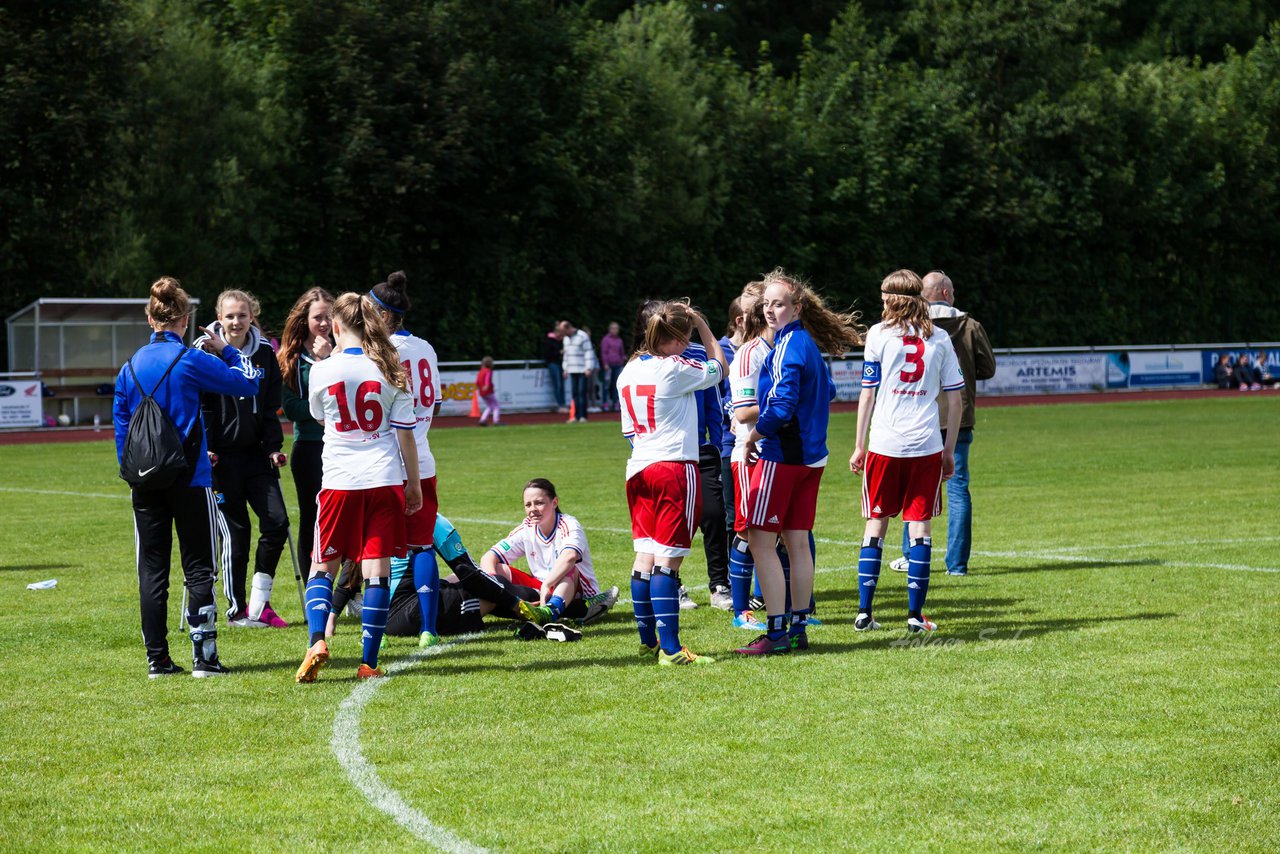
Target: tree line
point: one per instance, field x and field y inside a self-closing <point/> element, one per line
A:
<point x="1086" y="171"/>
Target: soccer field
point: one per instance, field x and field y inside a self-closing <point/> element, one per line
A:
<point x="1105" y="679"/>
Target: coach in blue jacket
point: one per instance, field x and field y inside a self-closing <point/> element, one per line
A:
<point x="188" y="504"/>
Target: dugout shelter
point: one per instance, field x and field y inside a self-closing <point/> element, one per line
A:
<point x="74" y="347"/>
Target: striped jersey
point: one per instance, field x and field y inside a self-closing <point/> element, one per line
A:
<point x="907" y="373"/>
<point x="419" y="359"/>
<point x="660" y="409"/>
<point x="361" y="412"/>
<point x="744" y="384"/>
<point x="527" y="541"/>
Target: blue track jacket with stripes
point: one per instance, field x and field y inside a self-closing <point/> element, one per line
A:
<point x="796" y="390"/>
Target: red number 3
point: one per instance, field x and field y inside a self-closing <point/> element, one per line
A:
<point x="914" y="357"/>
<point x="368" y="407"/>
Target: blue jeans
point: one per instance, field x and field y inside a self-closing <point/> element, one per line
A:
<point x="554" y="373"/>
<point x="959" y="509"/>
<point x="579" y="384"/>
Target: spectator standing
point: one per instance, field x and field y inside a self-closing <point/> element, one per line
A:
<point x="552" y="354"/>
<point x="579" y="363"/>
<point x="977" y="362"/>
<point x="488" y="394"/>
<point x="613" y="356"/>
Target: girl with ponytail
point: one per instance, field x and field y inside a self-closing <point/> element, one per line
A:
<point x="371" y="480"/>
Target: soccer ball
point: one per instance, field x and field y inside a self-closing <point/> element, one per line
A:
<point x="64" y="419"/>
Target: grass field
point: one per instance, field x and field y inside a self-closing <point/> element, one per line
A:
<point x="1105" y="679"/>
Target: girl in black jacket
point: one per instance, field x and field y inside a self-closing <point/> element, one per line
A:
<point x="245" y="441"/>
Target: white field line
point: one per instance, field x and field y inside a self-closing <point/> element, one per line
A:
<point x="345" y="744"/>
<point x="1063" y="553"/>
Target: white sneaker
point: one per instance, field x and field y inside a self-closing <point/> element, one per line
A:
<point x="899" y="565"/>
<point x="721" y="599"/>
<point x="686" y="604"/>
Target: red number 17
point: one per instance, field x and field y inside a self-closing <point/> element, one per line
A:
<point x="648" y="392"/>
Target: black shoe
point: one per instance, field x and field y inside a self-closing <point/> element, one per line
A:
<point x="560" y="632"/>
<point x="163" y="667"/>
<point x="755" y="603"/>
<point x="208" y="667"/>
<point x="531" y="631"/>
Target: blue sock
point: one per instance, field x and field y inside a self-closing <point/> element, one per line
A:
<point x="918" y="574"/>
<point x="426" y="581"/>
<point x="664" y="592"/>
<point x="869" y="571"/>
<point x="319" y="597"/>
<point x="777" y="626"/>
<point x="741" y="565"/>
<point x="556" y="604"/>
<point x="797" y="622"/>
<point x="643" y="607"/>
<point x="373" y="617"/>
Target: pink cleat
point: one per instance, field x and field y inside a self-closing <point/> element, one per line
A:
<point x="272" y="619"/>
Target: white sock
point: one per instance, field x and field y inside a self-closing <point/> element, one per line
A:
<point x="260" y="594"/>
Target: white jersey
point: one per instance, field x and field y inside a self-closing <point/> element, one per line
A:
<point x="361" y="412"/>
<point x="659" y="409"/>
<point x="419" y="359"/>
<point x="744" y="384"/>
<point x="541" y="553"/>
<point x="908" y="371"/>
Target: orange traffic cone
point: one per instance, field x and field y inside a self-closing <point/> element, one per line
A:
<point x="475" y="404"/>
<point x="573" y="411"/>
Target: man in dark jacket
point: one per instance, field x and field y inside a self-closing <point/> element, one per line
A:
<point x="977" y="362"/>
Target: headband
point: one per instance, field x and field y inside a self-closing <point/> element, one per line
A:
<point x="389" y="308"/>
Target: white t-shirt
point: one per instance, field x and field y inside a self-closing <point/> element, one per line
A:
<point x="419" y="359"/>
<point x="526" y="541"/>
<point x="908" y="372"/>
<point x="744" y="385"/>
<point x="361" y="412"/>
<point x="659" y="409"/>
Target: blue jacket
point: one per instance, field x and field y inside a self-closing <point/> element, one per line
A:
<point x="179" y="395"/>
<point x="796" y="390"/>
<point x="710" y="405"/>
<point x="727" y="437"/>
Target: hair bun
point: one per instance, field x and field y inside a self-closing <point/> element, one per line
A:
<point x="398" y="281"/>
<point x="164" y="288"/>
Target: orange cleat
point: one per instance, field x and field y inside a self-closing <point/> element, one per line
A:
<point x="367" y="672"/>
<point x="317" y="657"/>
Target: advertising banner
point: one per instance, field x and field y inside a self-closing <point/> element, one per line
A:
<point x="848" y="377"/>
<point x="1150" y="368"/>
<point x="1047" y="373"/>
<point x="20" y="403"/>
<point x="1270" y="359"/>
<point x="518" y="390"/>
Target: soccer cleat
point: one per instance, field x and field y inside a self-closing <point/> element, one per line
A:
<point x="562" y="633"/>
<point x="241" y="619"/>
<point x="426" y="639"/>
<point x="609" y="597"/>
<point x="686" y="604"/>
<point x="747" y="620"/>
<point x="864" y="623"/>
<point x="683" y="656"/>
<point x="204" y="667"/>
<point x="800" y="641"/>
<point x="755" y="603"/>
<point x="317" y="656"/>
<point x="164" y="667"/>
<point x="367" y="672"/>
<point x="721" y="599"/>
<point x="272" y="619"/>
<point x="812" y="622"/>
<point x="598" y="606"/>
<point x="534" y="613"/>
<point x="764" y="646"/>
<point x="649" y="651"/>
<point x="957" y="572"/>
<point x="898" y="564"/>
<point x="530" y="631"/>
<point x="920" y="624"/>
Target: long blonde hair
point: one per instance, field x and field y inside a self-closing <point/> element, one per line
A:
<point x="296" y="333"/>
<point x="255" y="307"/>
<point x="752" y="301"/>
<point x="904" y="307"/>
<point x="360" y="315"/>
<point x="833" y="331"/>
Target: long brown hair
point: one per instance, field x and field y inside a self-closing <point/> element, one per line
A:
<point x="752" y="300"/>
<point x="297" y="332"/>
<point x="833" y="331"/>
<point x="360" y="315"/>
<point x="169" y="303"/>
<point x="669" y="320"/>
<point x="904" y="307"/>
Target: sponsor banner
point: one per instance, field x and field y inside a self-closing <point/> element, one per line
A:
<point x="1147" y="368"/>
<point x="20" y="404"/>
<point x="1047" y="373"/>
<point x="1209" y="358"/>
<point x="848" y="377"/>
<point x="518" y="390"/>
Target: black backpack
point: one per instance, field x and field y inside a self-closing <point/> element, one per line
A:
<point x="154" y="454"/>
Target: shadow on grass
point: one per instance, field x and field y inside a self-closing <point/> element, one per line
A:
<point x="34" y="567"/>
<point x="1056" y="566"/>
